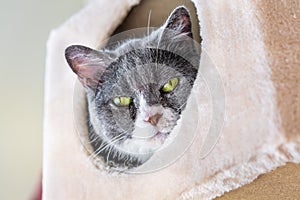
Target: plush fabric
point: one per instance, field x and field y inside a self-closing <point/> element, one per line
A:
<point x="257" y="64"/>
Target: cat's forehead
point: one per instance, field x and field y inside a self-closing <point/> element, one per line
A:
<point x="143" y="78"/>
<point x="144" y="69"/>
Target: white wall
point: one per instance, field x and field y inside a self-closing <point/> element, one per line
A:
<point x="24" y="28"/>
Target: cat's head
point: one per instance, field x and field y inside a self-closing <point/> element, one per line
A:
<point x="137" y="91"/>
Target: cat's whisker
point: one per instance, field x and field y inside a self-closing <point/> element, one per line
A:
<point x="98" y="151"/>
<point x="101" y="148"/>
<point x="108" y="145"/>
<point x="107" y="157"/>
<point x="148" y="24"/>
<point x="94" y="139"/>
<point x="94" y="154"/>
<point x="182" y="106"/>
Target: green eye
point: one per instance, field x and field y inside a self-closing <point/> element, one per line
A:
<point x="122" y="101"/>
<point x="170" y="85"/>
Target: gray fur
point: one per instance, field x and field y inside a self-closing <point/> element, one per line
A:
<point x="138" y="68"/>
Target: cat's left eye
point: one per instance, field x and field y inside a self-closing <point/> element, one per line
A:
<point x="122" y="101"/>
<point x="170" y="85"/>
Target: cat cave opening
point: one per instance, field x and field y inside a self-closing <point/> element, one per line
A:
<point x="133" y="104"/>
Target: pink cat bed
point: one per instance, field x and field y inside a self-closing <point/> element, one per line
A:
<point x="255" y="134"/>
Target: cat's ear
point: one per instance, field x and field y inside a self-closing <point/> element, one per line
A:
<point x="179" y="21"/>
<point x="87" y="63"/>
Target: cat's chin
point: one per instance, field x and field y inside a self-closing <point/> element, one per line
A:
<point x="144" y="146"/>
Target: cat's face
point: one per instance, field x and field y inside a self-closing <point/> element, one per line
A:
<point x="143" y="98"/>
<point x="137" y="91"/>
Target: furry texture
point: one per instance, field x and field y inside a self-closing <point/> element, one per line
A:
<point x="138" y="69"/>
<point x="252" y="142"/>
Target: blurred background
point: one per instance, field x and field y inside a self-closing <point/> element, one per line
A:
<point x="25" y="26"/>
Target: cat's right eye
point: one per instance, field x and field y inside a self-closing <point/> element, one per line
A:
<point x="170" y="85"/>
<point x="122" y="101"/>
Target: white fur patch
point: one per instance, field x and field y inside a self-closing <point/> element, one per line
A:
<point x="144" y="138"/>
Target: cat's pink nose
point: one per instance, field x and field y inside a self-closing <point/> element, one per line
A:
<point x="153" y="119"/>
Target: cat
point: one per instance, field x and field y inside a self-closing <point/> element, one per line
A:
<point x="136" y="91"/>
